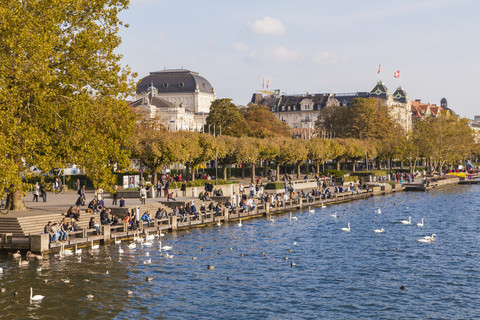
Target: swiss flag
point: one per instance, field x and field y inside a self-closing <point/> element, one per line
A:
<point x="396" y="74"/>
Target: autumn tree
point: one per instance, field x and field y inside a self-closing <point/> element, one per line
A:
<point x="62" y="90"/>
<point x="262" y="122"/>
<point x="225" y="117"/>
<point x="247" y="152"/>
<point x="444" y="139"/>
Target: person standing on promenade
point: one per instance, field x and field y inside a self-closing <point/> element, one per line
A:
<point x="115" y="195"/>
<point x="165" y="187"/>
<point x="159" y="188"/>
<point x="77" y="186"/>
<point x="36" y="192"/>
<point x="183" y="188"/>
<point x="82" y="194"/>
<point x="143" y="195"/>
<point x="43" y="191"/>
<point x="122" y="203"/>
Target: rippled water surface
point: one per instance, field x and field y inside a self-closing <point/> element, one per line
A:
<point x="336" y="274"/>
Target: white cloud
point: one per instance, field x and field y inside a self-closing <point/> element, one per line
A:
<point x="277" y="53"/>
<point x="267" y="25"/>
<point x="239" y="46"/>
<point x="326" y="58"/>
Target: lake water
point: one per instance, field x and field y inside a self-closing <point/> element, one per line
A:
<point x="336" y="275"/>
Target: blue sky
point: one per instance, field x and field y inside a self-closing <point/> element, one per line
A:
<point x="313" y="46"/>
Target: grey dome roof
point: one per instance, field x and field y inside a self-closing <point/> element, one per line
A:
<point x="174" y="81"/>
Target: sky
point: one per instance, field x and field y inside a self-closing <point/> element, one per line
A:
<point x="312" y="46"/>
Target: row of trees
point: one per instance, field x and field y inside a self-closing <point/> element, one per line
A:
<point x="364" y="131"/>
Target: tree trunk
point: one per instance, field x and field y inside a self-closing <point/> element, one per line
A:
<point x="193" y="173"/>
<point x="353" y="165"/>
<point x="338" y="165"/>
<point x="243" y="171"/>
<point x="278" y="172"/>
<point x="253" y="172"/>
<point x="299" y="167"/>
<point x="318" y="169"/>
<point x="15" y="200"/>
<point x="225" y="172"/>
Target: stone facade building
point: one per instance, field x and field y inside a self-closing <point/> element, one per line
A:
<point x="180" y="99"/>
<point x="301" y="111"/>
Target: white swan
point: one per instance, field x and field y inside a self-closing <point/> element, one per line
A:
<point x="35" y="297"/>
<point x="96" y="246"/>
<point x="433" y="237"/>
<point x="409" y="221"/>
<point x="147" y="244"/>
<point x="120" y="250"/>
<point x="164" y="248"/>
<point x="420" y="224"/>
<point x="379" y="211"/>
<point x="240" y="223"/>
<point x="168" y="256"/>
<point x="335" y="215"/>
<point x="22" y="262"/>
<point x="17" y="255"/>
<point x="323" y="206"/>
<point x="149" y="236"/>
<point x="31" y="255"/>
<point x="78" y="251"/>
<point x="219" y="223"/>
<point x="346" y="229"/>
<point x="293" y="218"/>
<point x="271" y="219"/>
<point x="132" y="245"/>
<point x="426" y="240"/>
<point x="117" y="241"/>
<point x="379" y="230"/>
<point x="67" y="252"/>
<point x="311" y="210"/>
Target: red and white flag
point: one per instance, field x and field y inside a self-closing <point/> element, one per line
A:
<point x="396" y="74"/>
<point x="268" y="84"/>
<point x="379" y="68"/>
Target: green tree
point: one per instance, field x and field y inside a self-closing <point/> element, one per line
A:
<point x="226" y="116"/>
<point x="62" y="90"/>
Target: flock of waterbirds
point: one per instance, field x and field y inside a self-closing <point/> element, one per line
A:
<point x="147" y="240"/>
<point x="425" y="239"/>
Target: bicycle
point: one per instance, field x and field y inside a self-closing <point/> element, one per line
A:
<point x="3" y="206"/>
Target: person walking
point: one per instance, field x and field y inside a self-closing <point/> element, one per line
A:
<point x="165" y="188"/>
<point x="43" y="191"/>
<point x="36" y="192"/>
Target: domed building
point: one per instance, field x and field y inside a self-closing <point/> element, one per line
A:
<point x="180" y="99"/>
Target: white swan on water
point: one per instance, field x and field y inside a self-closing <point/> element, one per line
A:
<point x="240" y="223"/>
<point x="409" y="221"/>
<point x="132" y="245"/>
<point x="35" y="297"/>
<point x="433" y="237"/>
<point x="271" y="219"/>
<point x="420" y="224"/>
<point x="164" y="248"/>
<point x="95" y="246"/>
<point x="311" y="210"/>
<point x="293" y="218"/>
<point x="346" y="229"/>
<point x="379" y="230"/>
<point x="379" y="211"/>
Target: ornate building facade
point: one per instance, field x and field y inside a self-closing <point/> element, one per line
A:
<point x="180" y="99"/>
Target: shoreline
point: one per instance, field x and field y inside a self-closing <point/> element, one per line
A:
<point x="39" y="243"/>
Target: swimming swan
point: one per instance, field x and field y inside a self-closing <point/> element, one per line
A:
<point x="346" y="229"/>
<point x="409" y="221"/>
<point x="420" y="224"/>
<point x="35" y="297"/>
<point x="379" y="230"/>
